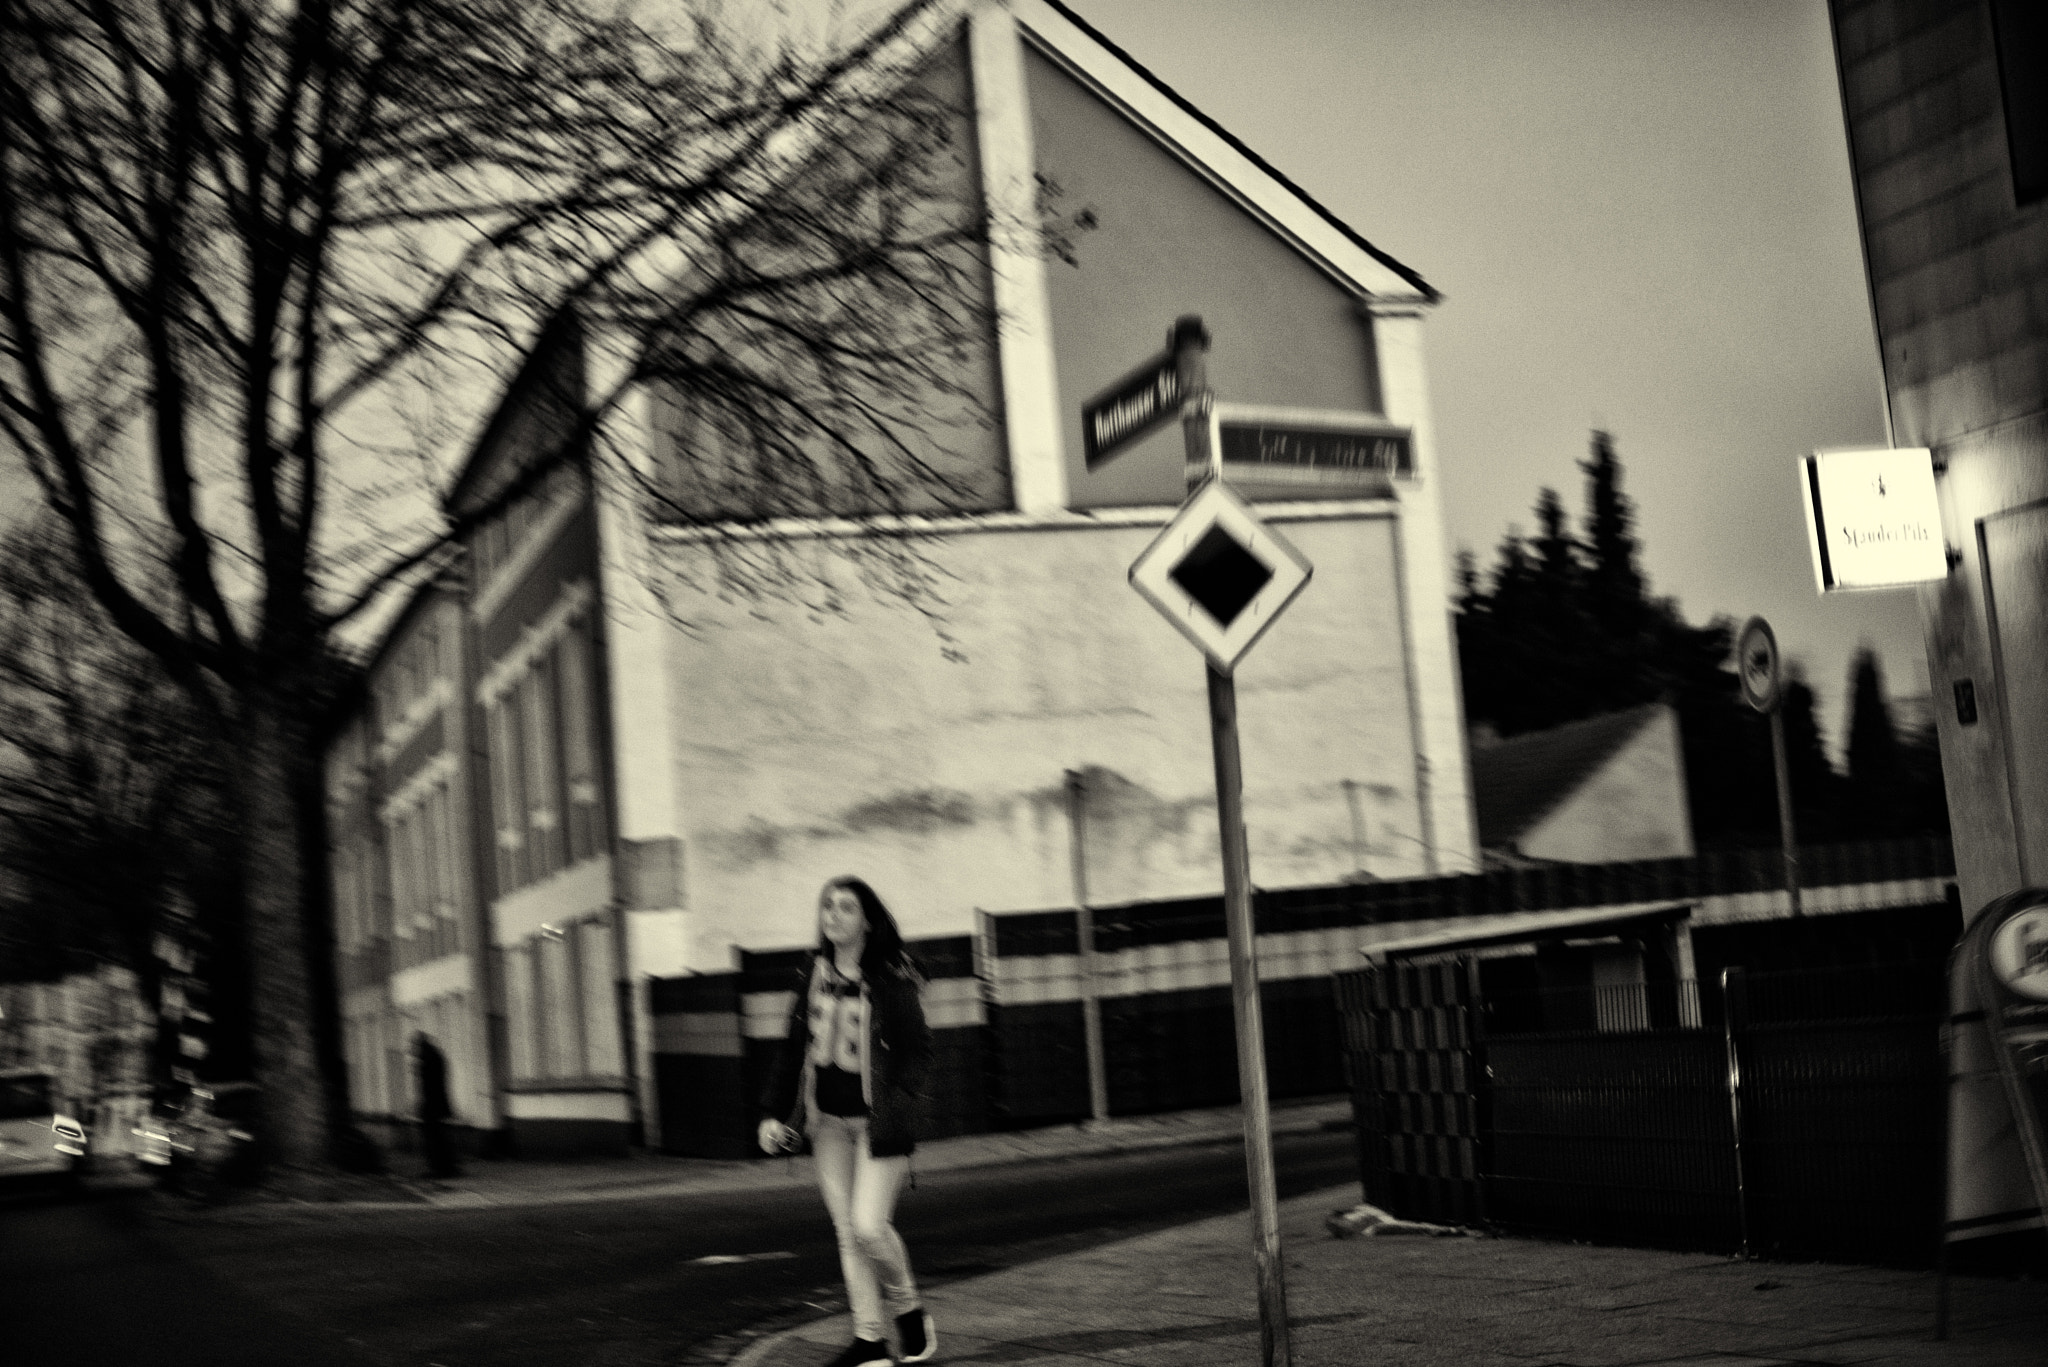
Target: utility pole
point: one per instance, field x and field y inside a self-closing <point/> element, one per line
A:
<point x="1084" y="918"/>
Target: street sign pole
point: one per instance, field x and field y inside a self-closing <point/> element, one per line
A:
<point x="1757" y="669"/>
<point x="1787" y="840"/>
<point x="1190" y="343"/>
<point x="1275" y="1349"/>
<point x="1084" y="915"/>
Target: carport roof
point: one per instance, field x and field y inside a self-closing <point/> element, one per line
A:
<point x="1517" y="927"/>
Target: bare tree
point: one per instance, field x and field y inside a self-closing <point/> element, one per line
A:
<point x="108" y="795"/>
<point x="261" y="261"/>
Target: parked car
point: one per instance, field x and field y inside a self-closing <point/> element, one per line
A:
<point x="204" y="1138"/>
<point x="40" y="1139"/>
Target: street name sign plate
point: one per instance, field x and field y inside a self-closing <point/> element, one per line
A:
<point x="1307" y="453"/>
<point x="1132" y="408"/>
<point x="1873" y="520"/>
<point x="1219" y="574"/>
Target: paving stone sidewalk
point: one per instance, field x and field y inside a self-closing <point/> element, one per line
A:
<point x="1186" y="1297"/>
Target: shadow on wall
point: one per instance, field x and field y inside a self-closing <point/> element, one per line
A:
<point x="1126" y="823"/>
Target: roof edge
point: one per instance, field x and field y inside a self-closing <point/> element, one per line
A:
<point x="1428" y="291"/>
<point x="1644" y="714"/>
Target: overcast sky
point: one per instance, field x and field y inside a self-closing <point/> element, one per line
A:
<point x="1640" y="216"/>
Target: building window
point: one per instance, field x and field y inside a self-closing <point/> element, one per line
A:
<point x="519" y="1012"/>
<point x="420" y="834"/>
<point x="505" y="786"/>
<point x="2020" y="28"/>
<point x="561" y="999"/>
<point x="579" y="746"/>
<point x="405" y="682"/>
<point x="541" y="728"/>
<point x="501" y="536"/>
<point x="602" y="1055"/>
<point x="560" y="1017"/>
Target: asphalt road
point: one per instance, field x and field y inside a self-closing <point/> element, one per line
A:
<point x="600" y="1284"/>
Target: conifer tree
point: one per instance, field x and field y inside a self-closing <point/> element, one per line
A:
<point x="1614" y="581"/>
<point x="1875" y="765"/>
<point x="1570" y="630"/>
<point x="1557" y="562"/>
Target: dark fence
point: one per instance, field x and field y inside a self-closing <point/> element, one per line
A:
<point x="700" y="1066"/>
<point x="1844" y="1098"/>
<point x="1412" y="1059"/>
<point x="1627" y="1128"/>
<point x="1005" y="1002"/>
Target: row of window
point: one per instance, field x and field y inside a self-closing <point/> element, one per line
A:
<point x="500" y="538"/>
<point x="561" y="1004"/>
<point x="422" y="842"/>
<point x="410" y="674"/>
<point x="541" y="734"/>
<point x="355" y="895"/>
<point x="546" y="806"/>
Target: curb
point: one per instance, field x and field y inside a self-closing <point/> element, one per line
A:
<point x="757" y="1351"/>
<point x="747" y="1176"/>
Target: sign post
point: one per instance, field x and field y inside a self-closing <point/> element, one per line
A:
<point x="1756" y="658"/>
<point x="1084" y="916"/>
<point x="1222" y="576"/>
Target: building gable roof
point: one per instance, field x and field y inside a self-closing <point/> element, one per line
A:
<point x="1216" y="154"/>
<point x="1517" y="783"/>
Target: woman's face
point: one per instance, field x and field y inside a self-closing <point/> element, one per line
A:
<point x="840" y="917"/>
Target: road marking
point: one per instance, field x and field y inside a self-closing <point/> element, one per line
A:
<point x="742" y="1257"/>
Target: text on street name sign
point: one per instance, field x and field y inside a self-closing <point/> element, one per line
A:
<point x="1309" y="453"/>
<point x="1129" y="409"/>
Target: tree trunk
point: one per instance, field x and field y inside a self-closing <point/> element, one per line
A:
<point x="275" y="747"/>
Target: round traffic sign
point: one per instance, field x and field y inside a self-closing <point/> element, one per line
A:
<point x="1756" y="664"/>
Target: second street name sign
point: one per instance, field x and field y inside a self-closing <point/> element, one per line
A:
<point x="1308" y="453"/>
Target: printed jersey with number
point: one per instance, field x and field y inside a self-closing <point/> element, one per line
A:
<point x="838" y="1016"/>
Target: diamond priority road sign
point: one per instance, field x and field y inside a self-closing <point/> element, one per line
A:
<point x="1219" y="574"/>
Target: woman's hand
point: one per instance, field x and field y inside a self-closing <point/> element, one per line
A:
<point x="775" y="1137"/>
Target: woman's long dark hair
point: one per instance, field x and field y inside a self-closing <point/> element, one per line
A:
<point x="882" y="950"/>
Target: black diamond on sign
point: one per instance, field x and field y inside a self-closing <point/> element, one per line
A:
<point x="1221" y="575"/>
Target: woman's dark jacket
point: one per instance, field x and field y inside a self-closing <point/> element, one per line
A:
<point x="895" y="1063"/>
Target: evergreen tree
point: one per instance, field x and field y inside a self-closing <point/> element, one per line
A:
<point x="1568" y="629"/>
<point x="1924" y="808"/>
<point x="1469" y="595"/>
<point x="1557" y="565"/>
<point x="1614" y="583"/>
<point x="1876" y="773"/>
<point x="1818" y="797"/>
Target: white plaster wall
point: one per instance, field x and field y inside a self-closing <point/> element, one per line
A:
<point x="1633" y="808"/>
<point x="808" y="746"/>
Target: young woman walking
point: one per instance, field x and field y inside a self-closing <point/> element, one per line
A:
<point x="849" y="1075"/>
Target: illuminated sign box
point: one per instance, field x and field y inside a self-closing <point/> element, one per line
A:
<point x="1872" y="518"/>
